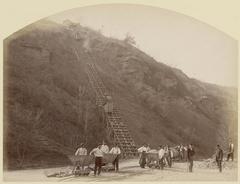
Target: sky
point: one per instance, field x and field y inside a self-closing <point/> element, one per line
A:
<point x="199" y="50"/>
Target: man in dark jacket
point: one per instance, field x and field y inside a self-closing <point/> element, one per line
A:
<point x="190" y="154"/>
<point x="219" y="157"/>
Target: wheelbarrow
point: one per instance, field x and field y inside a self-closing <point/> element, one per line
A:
<point x="84" y="164"/>
<point x="81" y="164"/>
<point x="152" y="159"/>
<point x="107" y="163"/>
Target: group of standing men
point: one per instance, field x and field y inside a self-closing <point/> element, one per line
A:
<point x="165" y="155"/>
<point x="98" y="153"/>
<point x="182" y="151"/>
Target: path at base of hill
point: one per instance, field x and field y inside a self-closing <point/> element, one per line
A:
<point x="130" y="171"/>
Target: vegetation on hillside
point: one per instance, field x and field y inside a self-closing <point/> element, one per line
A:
<point x="49" y="106"/>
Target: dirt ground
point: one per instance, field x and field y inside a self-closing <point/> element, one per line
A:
<point x="130" y="171"/>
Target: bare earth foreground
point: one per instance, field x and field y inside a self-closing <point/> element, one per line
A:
<point x="130" y="171"/>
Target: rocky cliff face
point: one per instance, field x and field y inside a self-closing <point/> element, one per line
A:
<point x="43" y="121"/>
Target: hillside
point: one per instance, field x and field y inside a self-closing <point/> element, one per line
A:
<point x="160" y="104"/>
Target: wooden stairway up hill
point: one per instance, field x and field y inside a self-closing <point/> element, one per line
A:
<point x="117" y="130"/>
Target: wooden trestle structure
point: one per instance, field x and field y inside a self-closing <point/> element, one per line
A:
<point x="116" y="128"/>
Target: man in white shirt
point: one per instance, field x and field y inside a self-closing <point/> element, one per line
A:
<point x="231" y="151"/>
<point x="105" y="147"/>
<point x="148" y="148"/>
<point x="98" y="153"/>
<point x="143" y="155"/>
<point x="181" y="152"/>
<point x="116" y="151"/>
<point x="143" y="148"/>
<point x="161" y="154"/>
<point x="168" y="155"/>
<point x="81" y="150"/>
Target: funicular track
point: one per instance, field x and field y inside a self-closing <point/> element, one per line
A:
<point x="116" y="128"/>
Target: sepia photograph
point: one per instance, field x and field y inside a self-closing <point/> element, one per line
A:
<point x="120" y="93"/>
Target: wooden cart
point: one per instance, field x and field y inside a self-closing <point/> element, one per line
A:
<point x="81" y="164"/>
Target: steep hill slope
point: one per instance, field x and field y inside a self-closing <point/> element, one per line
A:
<point x="44" y="122"/>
